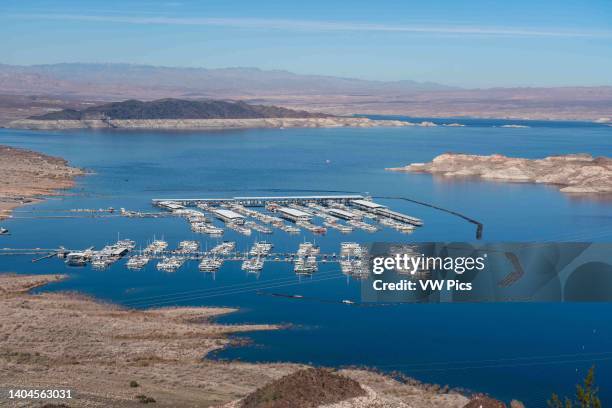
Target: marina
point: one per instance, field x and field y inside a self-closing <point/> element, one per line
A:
<point x="292" y="215"/>
<point x="342" y="213"/>
<point x="99" y="259"/>
<point x="305" y="259"/>
<point x="180" y="171"/>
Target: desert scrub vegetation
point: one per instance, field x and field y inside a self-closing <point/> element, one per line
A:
<point x="586" y="395"/>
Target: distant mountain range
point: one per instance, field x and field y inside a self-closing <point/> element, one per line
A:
<point x="77" y="85"/>
<point x="116" y="80"/>
<point x="176" y="109"/>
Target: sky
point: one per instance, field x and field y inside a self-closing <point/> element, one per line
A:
<point x="470" y="43"/>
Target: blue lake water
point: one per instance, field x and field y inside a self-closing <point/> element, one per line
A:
<point x="523" y="351"/>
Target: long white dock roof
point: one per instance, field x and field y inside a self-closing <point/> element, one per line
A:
<point x="266" y="198"/>
<point x="342" y="213"/>
<point x="227" y="213"/>
<point x="293" y="212"/>
<point x="368" y="204"/>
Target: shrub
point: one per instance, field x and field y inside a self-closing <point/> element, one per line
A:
<point x="586" y="395"/>
<point x="143" y="399"/>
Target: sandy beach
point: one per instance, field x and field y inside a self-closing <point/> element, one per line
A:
<point x="26" y="176"/>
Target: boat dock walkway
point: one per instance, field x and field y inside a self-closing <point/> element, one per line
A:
<point x="197" y="255"/>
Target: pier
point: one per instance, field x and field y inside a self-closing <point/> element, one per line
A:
<point x="194" y="255"/>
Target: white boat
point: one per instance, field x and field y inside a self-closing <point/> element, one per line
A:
<point x="137" y="262"/>
<point x="156" y="247"/>
<point x="187" y="247"/>
<point x="399" y="226"/>
<point x="386" y="221"/>
<point x="345" y="229"/>
<point x="210" y="264"/>
<point x="126" y="243"/>
<point x="170" y="264"/>
<point x="306" y="265"/>
<point x="261" y="248"/>
<point x="252" y="264"/>
<point x="307" y="248"/>
<point x="351" y="249"/>
<point x="239" y="228"/>
<point x="4" y="231"/>
<point x="257" y="227"/>
<point x="78" y="258"/>
<point x="405" y="228"/>
<point x="206" y="228"/>
<point x="354" y="267"/>
<point x="362" y="225"/>
<point x="290" y="229"/>
<point x="100" y="262"/>
<point x="204" y="206"/>
<point x="224" y="248"/>
<point x="317" y="229"/>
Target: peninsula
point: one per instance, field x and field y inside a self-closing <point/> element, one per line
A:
<point x="111" y="356"/>
<point x="28" y="175"/>
<point x="573" y="173"/>
<point x="192" y="114"/>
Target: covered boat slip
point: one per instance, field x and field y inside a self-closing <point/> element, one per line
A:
<point x="357" y="201"/>
<point x="261" y="201"/>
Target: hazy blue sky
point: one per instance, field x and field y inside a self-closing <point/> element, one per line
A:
<point x="466" y="43"/>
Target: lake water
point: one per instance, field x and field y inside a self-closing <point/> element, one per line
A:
<point x="523" y="351"/>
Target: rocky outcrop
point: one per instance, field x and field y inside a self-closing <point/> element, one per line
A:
<point x="310" y="387"/>
<point x="208" y="124"/>
<point x="574" y="173"/>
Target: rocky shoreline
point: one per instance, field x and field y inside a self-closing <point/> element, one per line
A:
<point x="27" y="175"/>
<point x="209" y="124"/>
<point x="572" y="173"/>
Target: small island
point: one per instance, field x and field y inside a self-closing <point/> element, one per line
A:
<point x="193" y="115"/>
<point x="573" y="173"/>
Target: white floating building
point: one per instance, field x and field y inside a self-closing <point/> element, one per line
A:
<point x="228" y="216"/>
<point x="293" y="215"/>
<point x="367" y="205"/>
<point x="347" y="215"/>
